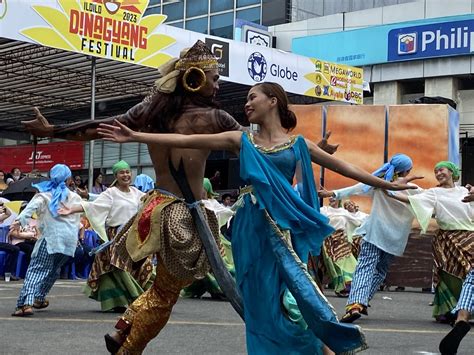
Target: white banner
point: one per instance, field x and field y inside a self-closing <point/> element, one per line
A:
<point x="118" y="30"/>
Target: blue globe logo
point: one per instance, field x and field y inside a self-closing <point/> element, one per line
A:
<point x="257" y="66"/>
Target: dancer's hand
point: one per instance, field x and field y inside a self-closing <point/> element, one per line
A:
<point x="116" y="133"/>
<point x="64" y="210"/>
<point x="324" y="144"/>
<point x="83" y="193"/>
<point x="323" y="193"/>
<point x="470" y="196"/>
<point x="40" y="126"/>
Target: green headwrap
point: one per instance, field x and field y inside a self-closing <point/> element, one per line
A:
<point x="206" y="183"/>
<point x="451" y="166"/>
<point x="121" y="165"/>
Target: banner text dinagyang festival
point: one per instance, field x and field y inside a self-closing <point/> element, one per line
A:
<point x="118" y="30"/>
<point x="103" y="28"/>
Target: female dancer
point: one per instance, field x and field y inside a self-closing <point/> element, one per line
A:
<point x="453" y="245"/>
<point x="276" y="227"/>
<point x="338" y="259"/>
<point x="108" y="282"/>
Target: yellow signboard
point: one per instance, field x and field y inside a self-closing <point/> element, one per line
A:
<point x="104" y="28"/>
<point x="336" y="82"/>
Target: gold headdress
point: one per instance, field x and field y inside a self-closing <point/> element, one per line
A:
<point x="194" y="61"/>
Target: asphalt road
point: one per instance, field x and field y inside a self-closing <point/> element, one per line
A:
<point x="398" y="323"/>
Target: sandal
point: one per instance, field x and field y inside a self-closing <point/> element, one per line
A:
<point x="40" y="304"/>
<point x="23" y="311"/>
<point x="353" y="312"/>
<point x="112" y="345"/>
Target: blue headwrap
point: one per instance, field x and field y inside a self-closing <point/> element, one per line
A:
<point x="56" y="185"/>
<point x="144" y="183"/>
<point x="399" y="163"/>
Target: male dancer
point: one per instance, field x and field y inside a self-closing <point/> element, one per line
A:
<point x="182" y="101"/>
<point x="385" y="235"/>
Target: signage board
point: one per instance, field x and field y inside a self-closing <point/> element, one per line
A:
<point x="118" y="30"/>
<point x="47" y="155"/>
<point x="387" y="43"/>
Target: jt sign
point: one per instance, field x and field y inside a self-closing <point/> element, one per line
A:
<point x="429" y="41"/>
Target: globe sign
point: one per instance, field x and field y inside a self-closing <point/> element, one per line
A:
<point x="257" y="66"/>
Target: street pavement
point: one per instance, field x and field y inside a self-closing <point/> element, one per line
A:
<point x="398" y="323"/>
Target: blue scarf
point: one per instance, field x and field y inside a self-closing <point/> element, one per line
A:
<point x="144" y="183"/>
<point x="57" y="186"/>
<point x="399" y="163"/>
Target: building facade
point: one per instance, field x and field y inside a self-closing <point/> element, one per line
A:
<point x="218" y="17"/>
<point x="408" y="50"/>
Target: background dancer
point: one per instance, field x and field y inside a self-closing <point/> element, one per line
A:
<point x="275" y="220"/>
<point x="108" y="283"/>
<point x="385" y="235"/>
<point x="464" y="308"/>
<point x="355" y="239"/>
<point x="338" y="259"/>
<point x="453" y="245"/>
<point x="57" y="243"/>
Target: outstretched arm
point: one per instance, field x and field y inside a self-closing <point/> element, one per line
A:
<point x="220" y="141"/>
<point x="339" y="166"/>
<point x="398" y="197"/>
<point x="135" y="118"/>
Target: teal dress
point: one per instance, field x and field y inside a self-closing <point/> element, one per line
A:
<point x="274" y="230"/>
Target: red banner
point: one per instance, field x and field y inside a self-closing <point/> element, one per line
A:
<point x="47" y="155"/>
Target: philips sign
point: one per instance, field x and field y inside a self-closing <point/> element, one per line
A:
<point x="429" y="41"/>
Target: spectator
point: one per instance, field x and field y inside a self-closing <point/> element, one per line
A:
<point x="3" y="183"/>
<point x="14" y="176"/>
<point x="98" y="187"/>
<point x="78" y="181"/>
<point x="227" y="200"/>
<point x="11" y="250"/>
<point x="26" y="237"/>
<point x="216" y="180"/>
<point x="81" y="256"/>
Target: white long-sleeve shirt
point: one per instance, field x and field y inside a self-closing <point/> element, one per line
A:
<point x="389" y="223"/>
<point x="59" y="232"/>
<point x="112" y="209"/>
<point x="447" y="206"/>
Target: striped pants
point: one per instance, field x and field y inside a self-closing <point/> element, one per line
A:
<point x="42" y="272"/>
<point x="466" y="299"/>
<point x="372" y="267"/>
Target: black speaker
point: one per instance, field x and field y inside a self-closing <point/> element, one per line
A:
<point x="467" y="176"/>
<point x="233" y="174"/>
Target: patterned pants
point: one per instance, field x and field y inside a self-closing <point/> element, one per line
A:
<point x="372" y="267"/>
<point x="466" y="299"/>
<point x="42" y="272"/>
<point x="150" y="312"/>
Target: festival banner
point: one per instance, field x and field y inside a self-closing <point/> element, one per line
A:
<point x="336" y="82"/>
<point x="47" y="155"/>
<point x="118" y="30"/>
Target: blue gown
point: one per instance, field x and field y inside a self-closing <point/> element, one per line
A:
<point x="274" y="230"/>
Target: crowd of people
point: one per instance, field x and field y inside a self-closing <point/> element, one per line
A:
<point x="176" y="239"/>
